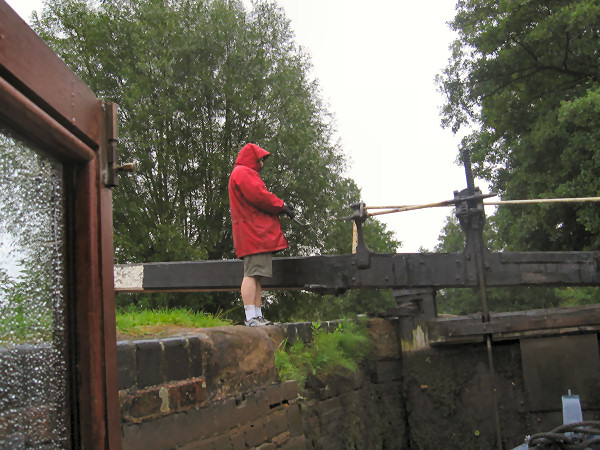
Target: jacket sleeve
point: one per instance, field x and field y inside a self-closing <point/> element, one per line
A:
<point x="254" y="191"/>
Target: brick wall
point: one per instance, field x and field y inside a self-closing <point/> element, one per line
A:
<point x="33" y="412"/>
<point x="267" y="418"/>
<point x="219" y="390"/>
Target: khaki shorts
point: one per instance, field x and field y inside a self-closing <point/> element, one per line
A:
<point x="260" y="264"/>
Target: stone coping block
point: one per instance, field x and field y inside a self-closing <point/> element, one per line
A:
<point x="230" y="359"/>
<point x="385" y="341"/>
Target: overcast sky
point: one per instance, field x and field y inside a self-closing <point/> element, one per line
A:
<point x="376" y="62"/>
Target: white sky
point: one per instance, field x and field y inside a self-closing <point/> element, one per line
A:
<point x="376" y="62"/>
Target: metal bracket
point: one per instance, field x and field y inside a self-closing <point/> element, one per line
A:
<point x="363" y="254"/>
<point x="111" y="166"/>
<point x="471" y="216"/>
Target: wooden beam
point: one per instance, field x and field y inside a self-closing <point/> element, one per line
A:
<point x="515" y="325"/>
<point x="336" y="273"/>
<point x="32" y="67"/>
<point x="38" y="128"/>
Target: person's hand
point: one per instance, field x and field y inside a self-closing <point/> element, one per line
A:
<point x="288" y="210"/>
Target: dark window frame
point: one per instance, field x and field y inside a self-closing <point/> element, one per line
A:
<point x="45" y="104"/>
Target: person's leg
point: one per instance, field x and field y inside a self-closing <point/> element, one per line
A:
<point x="258" y="301"/>
<point x="258" y="293"/>
<point x="255" y="267"/>
<point x="248" y="289"/>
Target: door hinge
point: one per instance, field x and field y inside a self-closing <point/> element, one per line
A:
<point x="111" y="166"/>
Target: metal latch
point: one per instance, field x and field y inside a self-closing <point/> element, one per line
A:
<point x="111" y="167"/>
<point x="359" y="246"/>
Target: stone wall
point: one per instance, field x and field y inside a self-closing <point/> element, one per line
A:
<point x="32" y="390"/>
<point x="218" y="389"/>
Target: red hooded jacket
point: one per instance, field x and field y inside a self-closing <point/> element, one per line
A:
<point x="254" y="210"/>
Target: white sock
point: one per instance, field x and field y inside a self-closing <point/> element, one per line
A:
<point x="250" y="311"/>
<point x="258" y="311"/>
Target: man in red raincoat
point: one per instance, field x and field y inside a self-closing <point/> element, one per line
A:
<point x="256" y="227"/>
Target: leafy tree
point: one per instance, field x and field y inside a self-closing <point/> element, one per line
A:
<point x="195" y="81"/>
<point x="525" y="75"/>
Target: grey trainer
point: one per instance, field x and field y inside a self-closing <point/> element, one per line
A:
<point x="264" y="321"/>
<point x="255" y="322"/>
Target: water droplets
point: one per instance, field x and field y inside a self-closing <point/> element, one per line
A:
<point x="34" y="406"/>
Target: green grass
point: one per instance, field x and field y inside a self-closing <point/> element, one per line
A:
<point x="21" y="327"/>
<point x="17" y="327"/>
<point x="335" y="353"/>
<point x="142" y="321"/>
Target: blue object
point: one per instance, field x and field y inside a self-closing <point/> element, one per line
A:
<point x="571" y="409"/>
<point x="572" y="414"/>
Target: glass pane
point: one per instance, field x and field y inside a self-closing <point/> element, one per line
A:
<point x="34" y="396"/>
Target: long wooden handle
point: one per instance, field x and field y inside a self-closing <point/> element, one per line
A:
<point x="411" y="207"/>
<point x="544" y="200"/>
<point x="402" y="208"/>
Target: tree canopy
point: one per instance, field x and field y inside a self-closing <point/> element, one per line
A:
<point x="524" y="74"/>
<point x="195" y="81"/>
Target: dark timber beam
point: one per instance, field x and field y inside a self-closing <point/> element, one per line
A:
<point x="337" y="273"/>
<point x="514" y="325"/>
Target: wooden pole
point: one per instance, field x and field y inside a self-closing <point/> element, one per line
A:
<point x="411" y="207"/>
<point x="544" y="200"/>
<point x="402" y="208"/>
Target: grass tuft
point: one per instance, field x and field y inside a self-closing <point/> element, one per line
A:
<point x="135" y="321"/>
<point x="335" y="353"/>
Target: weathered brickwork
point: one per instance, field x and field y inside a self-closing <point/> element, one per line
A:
<point x="365" y="409"/>
<point x="247" y="421"/>
<point x="409" y="394"/>
<point x="224" y="394"/>
<point x="32" y="414"/>
<point x="219" y="390"/>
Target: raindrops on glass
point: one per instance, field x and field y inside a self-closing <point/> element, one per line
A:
<point x="34" y="395"/>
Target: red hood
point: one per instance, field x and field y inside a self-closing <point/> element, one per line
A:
<point x="249" y="156"/>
